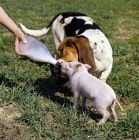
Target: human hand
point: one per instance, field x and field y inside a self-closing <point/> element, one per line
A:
<point x="19" y="37"/>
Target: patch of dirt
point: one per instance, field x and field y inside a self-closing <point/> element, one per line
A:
<point x="9" y="113"/>
<point x="10" y="129"/>
<point x="126" y="29"/>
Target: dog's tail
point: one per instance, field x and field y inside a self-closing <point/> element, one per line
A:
<point x="35" y="32"/>
<point x="119" y="105"/>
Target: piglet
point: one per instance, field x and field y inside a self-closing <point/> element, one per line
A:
<point x="100" y="93"/>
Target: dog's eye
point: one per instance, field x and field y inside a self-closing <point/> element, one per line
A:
<point x="58" y="53"/>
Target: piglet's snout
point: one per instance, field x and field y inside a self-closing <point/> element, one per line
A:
<point x="63" y="69"/>
<point x="63" y="65"/>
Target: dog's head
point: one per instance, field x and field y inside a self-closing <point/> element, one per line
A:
<point x="67" y="50"/>
<point x="77" y="49"/>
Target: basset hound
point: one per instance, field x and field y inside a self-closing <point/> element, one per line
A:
<point x="78" y="38"/>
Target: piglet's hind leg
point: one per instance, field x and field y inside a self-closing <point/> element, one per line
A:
<point x="112" y="110"/>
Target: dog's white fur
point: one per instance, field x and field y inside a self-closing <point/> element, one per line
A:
<point x="102" y="51"/>
<point x="100" y="93"/>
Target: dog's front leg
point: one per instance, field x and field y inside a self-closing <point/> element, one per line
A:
<point x="56" y="44"/>
<point x="58" y="35"/>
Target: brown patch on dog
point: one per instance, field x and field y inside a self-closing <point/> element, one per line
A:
<point x="77" y="49"/>
<point x="62" y="21"/>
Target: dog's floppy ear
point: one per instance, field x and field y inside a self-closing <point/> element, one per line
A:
<point x="85" y="52"/>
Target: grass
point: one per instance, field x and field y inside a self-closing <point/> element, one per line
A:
<point x="32" y="106"/>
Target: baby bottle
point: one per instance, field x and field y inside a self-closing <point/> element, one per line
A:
<point x="36" y="51"/>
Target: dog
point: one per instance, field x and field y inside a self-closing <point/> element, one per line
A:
<point x="92" y="88"/>
<point x="78" y="38"/>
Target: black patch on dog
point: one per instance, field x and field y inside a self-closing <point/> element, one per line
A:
<point x="78" y="25"/>
<point x="88" y="26"/>
<point x="73" y="26"/>
<point x="65" y="15"/>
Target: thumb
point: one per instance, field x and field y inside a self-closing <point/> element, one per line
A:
<point x="24" y="40"/>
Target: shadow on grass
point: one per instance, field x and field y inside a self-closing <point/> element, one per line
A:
<point x="92" y="114"/>
<point x="7" y="82"/>
<point x="95" y="116"/>
<point x="50" y="87"/>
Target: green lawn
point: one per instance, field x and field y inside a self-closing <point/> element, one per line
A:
<point x="32" y="107"/>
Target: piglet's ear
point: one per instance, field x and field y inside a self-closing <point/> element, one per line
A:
<point x="87" y="66"/>
<point x="78" y="67"/>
